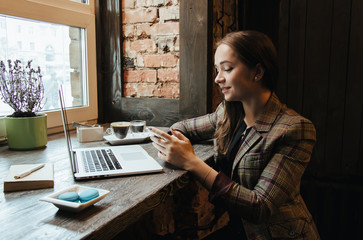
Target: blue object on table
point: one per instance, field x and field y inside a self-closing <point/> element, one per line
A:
<point x="88" y="195"/>
<point x="69" y="196"/>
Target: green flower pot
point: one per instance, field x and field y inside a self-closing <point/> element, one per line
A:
<point x="26" y="133"/>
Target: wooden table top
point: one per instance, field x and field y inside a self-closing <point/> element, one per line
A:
<point x="23" y="216"/>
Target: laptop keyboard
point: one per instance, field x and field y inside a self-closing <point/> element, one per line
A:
<point x="99" y="160"/>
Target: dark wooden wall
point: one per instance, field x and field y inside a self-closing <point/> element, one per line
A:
<point x="225" y="20"/>
<point x="320" y="45"/>
<point x="195" y="57"/>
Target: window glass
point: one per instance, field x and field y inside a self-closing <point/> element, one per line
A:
<point x="60" y="37"/>
<point x="58" y="49"/>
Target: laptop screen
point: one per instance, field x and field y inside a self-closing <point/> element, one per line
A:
<point x="66" y="129"/>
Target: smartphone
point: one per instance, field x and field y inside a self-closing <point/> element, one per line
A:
<point x="152" y="133"/>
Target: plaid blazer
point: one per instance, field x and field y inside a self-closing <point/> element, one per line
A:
<point x="264" y="189"/>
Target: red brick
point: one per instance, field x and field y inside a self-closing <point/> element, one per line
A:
<point x="168" y="75"/>
<point x="128" y="4"/>
<point x="128" y="30"/>
<point x="165" y="44"/>
<point x="173" y="2"/>
<point x="126" y="47"/>
<point x="169" y="13"/>
<point x="157" y="29"/>
<point x="139" y="61"/>
<point x="139" y="90"/>
<point x="151" y="38"/>
<point x="140" y="76"/>
<point x="150" y="3"/>
<point x="166" y="28"/>
<point x="160" y="60"/>
<point x="177" y="44"/>
<point x="139" y="15"/>
<point x="167" y="91"/>
<point x="129" y="90"/>
<point x="140" y="46"/>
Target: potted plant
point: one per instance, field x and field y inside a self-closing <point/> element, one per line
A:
<point x="23" y="90"/>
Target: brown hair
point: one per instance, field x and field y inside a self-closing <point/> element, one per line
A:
<point x="251" y="48"/>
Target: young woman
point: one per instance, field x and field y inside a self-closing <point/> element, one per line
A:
<point x="263" y="147"/>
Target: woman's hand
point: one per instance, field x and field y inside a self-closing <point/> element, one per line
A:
<point x="175" y="149"/>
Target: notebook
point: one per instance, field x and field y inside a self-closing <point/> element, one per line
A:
<point x="42" y="178"/>
<point x="101" y="162"/>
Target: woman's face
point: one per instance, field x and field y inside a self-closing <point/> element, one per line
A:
<point x="235" y="79"/>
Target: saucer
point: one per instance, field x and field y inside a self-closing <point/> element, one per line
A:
<point x="73" y="206"/>
<point x="129" y="139"/>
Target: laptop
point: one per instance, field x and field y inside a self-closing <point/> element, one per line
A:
<point x="109" y="161"/>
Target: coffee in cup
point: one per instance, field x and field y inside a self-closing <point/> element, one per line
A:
<point x="120" y="129"/>
<point x="137" y="126"/>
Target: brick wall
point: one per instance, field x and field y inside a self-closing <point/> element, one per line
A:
<point x="151" y="48"/>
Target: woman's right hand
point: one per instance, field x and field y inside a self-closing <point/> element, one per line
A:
<point x="177" y="150"/>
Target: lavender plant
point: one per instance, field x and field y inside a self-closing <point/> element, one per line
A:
<point x="21" y="88"/>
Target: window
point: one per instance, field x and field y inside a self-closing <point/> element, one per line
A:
<point x="59" y="36"/>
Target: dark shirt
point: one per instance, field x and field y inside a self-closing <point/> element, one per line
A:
<point x="235" y="228"/>
<point x="225" y="164"/>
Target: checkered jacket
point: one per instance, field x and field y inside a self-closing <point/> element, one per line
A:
<point x="264" y="189"/>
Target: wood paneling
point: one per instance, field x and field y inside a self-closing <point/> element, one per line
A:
<point x="260" y="15"/>
<point x="283" y="43"/>
<point x="195" y="57"/>
<point x="109" y="55"/>
<point x="352" y="135"/>
<point x="320" y="55"/>
<point x="336" y="89"/>
<point x="315" y="80"/>
<point x="296" y="55"/>
<point x="336" y="208"/>
<point x="225" y="20"/>
<point x="156" y="111"/>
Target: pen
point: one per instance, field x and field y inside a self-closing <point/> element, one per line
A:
<point x="27" y="172"/>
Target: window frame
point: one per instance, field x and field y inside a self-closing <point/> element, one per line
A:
<point x="69" y="13"/>
<point x="195" y="75"/>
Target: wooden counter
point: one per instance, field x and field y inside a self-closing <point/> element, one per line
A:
<point x="23" y="216"/>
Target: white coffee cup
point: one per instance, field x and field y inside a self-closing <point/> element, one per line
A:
<point x="119" y="129"/>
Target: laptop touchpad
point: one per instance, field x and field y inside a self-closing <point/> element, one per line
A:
<point x="133" y="156"/>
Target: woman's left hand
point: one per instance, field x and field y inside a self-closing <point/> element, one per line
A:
<point x="175" y="149"/>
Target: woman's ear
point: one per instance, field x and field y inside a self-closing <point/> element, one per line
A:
<point x="260" y="71"/>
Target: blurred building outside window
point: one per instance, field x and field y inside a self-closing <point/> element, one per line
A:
<point x="63" y="47"/>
